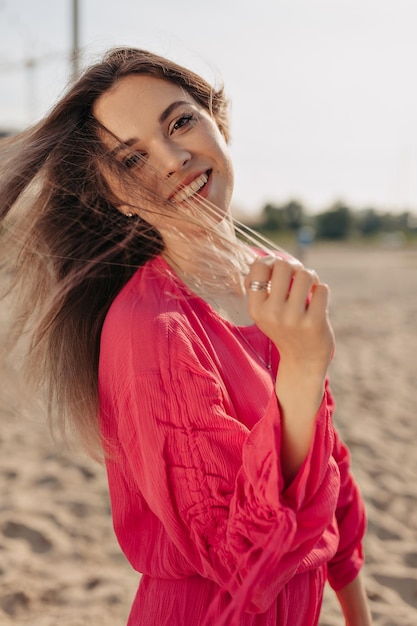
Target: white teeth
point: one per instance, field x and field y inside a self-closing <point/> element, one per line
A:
<point x="191" y="189"/>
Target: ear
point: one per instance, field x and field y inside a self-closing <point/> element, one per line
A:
<point x="126" y="210"/>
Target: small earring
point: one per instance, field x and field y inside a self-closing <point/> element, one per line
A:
<point x="129" y="214"/>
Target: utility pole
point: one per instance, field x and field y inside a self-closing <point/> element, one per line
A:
<point x="75" y="39"/>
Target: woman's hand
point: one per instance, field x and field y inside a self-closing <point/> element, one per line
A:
<point x="292" y="312"/>
<point x="289" y="305"/>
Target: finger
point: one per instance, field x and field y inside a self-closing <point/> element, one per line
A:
<point x="319" y="300"/>
<point x="259" y="274"/>
<point x="304" y="281"/>
<point x="281" y="280"/>
<point x="257" y="286"/>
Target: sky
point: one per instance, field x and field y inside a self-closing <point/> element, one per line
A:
<point x="323" y="93"/>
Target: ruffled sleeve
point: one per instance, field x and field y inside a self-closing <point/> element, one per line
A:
<point x="351" y="520"/>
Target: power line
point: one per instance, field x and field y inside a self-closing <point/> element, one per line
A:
<point x="31" y="62"/>
<point x="27" y="36"/>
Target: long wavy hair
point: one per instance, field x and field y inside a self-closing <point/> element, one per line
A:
<point x="65" y="247"/>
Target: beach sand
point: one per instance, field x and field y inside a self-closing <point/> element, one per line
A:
<point x="59" y="561"/>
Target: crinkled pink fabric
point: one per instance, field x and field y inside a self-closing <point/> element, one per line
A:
<point x="192" y="425"/>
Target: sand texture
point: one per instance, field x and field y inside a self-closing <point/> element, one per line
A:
<point x="59" y="561"/>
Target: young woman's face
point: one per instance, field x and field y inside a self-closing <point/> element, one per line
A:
<point x="155" y="126"/>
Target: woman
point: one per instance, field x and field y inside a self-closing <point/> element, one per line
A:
<point x="204" y="359"/>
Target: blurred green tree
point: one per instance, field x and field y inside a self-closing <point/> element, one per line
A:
<point x="335" y="223"/>
<point x="368" y="222"/>
<point x="289" y="216"/>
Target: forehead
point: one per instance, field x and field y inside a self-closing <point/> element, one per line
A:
<point x="137" y="99"/>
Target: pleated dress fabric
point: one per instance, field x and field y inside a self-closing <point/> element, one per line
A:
<point x="191" y="425"/>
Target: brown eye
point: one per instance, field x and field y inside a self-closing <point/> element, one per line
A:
<point x="182" y="121"/>
<point x="133" y="160"/>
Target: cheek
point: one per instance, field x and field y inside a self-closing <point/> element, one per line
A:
<point x="215" y="144"/>
<point x="228" y="171"/>
<point x="142" y="186"/>
<point x="223" y="159"/>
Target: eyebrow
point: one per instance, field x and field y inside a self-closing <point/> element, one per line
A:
<point x="171" y="108"/>
<point x="164" y="115"/>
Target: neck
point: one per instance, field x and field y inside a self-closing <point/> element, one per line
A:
<point x="208" y="258"/>
<point x="213" y="267"/>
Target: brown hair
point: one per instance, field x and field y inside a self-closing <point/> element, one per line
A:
<point x="71" y="249"/>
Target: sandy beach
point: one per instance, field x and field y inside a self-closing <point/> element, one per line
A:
<point x="59" y="561"/>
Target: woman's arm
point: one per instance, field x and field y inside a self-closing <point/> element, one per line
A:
<point x="354" y="603"/>
<point x="293" y="314"/>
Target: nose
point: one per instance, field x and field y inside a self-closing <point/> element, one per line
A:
<point x="169" y="157"/>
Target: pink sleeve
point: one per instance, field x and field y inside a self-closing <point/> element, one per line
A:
<point x="217" y="488"/>
<point x="351" y="520"/>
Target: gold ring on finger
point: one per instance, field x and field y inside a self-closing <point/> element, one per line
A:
<point x="257" y="285"/>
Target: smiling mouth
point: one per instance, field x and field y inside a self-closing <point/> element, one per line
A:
<point x="190" y="190"/>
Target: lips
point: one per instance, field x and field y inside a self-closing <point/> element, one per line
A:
<point x="191" y="188"/>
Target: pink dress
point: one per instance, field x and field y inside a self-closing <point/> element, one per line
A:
<point x="191" y="420"/>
